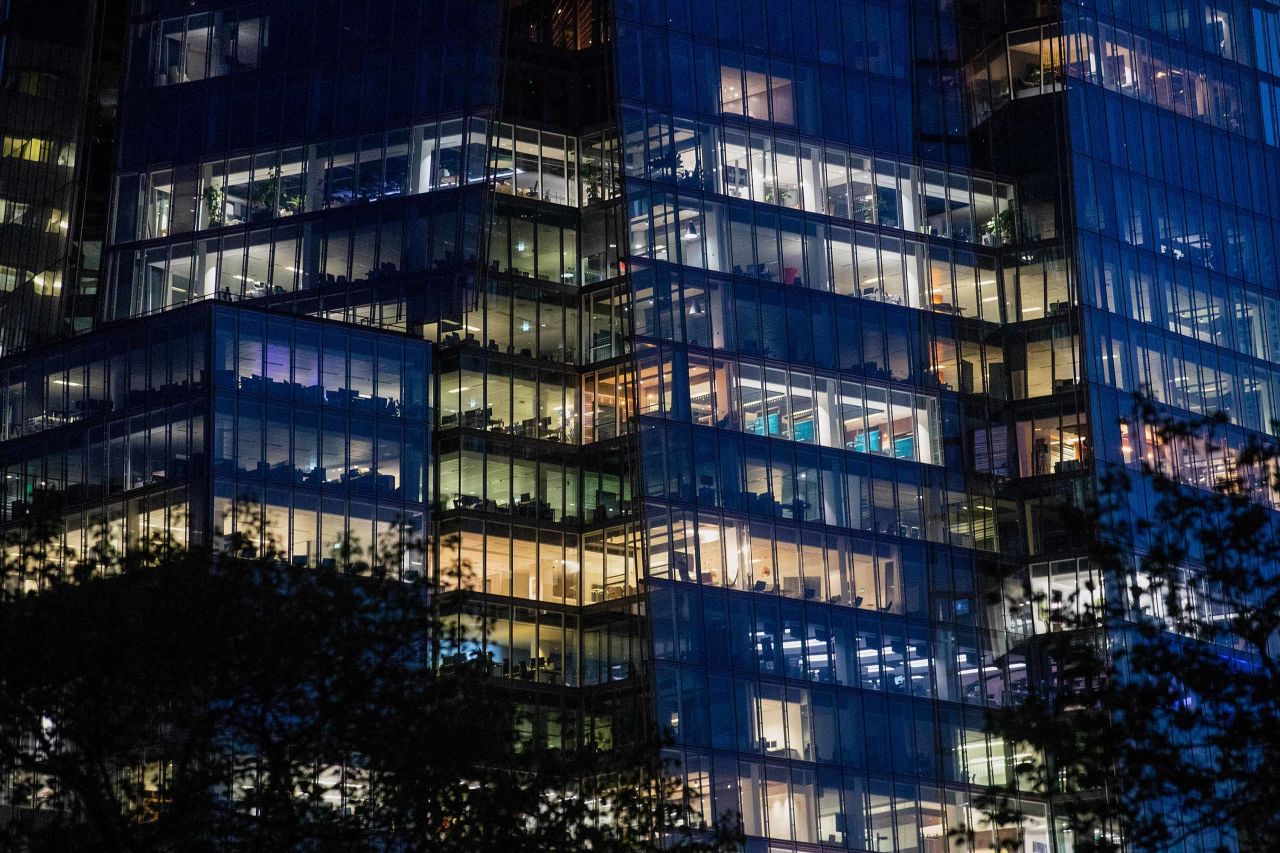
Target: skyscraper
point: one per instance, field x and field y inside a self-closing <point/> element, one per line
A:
<point x="750" y="353"/>
<point x="58" y="94"/>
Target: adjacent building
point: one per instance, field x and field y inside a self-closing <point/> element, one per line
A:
<point x="746" y="356"/>
<point x="59" y="88"/>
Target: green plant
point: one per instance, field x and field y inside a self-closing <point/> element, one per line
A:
<point x="1151" y="720"/>
<point x="264" y="195"/>
<point x="1001" y="225"/>
<point x="592" y="174"/>
<point x="215" y="204"/>
<point x="138" y="709"/>
<point x="780" y="196"/>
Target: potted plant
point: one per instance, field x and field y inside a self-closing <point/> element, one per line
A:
<point x="779" y="196"/>
<point x="264" y="195"/>
<point x="592" y="175"/>
<point x="1000" y="227"/>
<point x="290" y="203"/>
<point x="215" y="205"/>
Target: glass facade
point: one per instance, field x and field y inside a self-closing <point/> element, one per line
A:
<point x="1162" y="137"/>
<point x="742" y="358"/>
<point x="212" y="420"/>
<point x="1177" y="251"/>
<point x="410" y="308"/>
<point x="58" y="94"/>
<point x="320" y="431"/>
<point x="821" y="282"/>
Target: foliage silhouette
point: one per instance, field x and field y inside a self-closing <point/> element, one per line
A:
<point x="178" y="699"/>
<point x="1154" y="716"/>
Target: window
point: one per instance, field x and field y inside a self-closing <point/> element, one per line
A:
<point x="11" y="211"/>
<point x="1063" y="591"/>
<point x="26" y="148"/>
<point x="1035" y="61"/>
<point x="750" y="93"/>
<point x="787" y="172"/>
<point x="795" y="405"/>
<point x="203" y="45"/>
<point x="37" y="84"/>
<point x="276" y="183"/>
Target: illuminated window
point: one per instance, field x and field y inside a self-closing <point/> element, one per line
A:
<point x="1035" y="61"/>
<point x="750" y="92"/>
<point x="25" y="148"/>
<point x="57" y="222"/>
<point x="48" y="283"/>
<point x="11" y="211"/>
<point x="206" y="44"/>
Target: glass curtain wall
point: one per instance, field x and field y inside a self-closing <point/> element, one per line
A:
<point x="817" y="288"/>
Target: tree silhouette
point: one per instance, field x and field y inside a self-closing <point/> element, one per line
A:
<point x="180" y="699"/>
<point x="1154" y="721"/>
